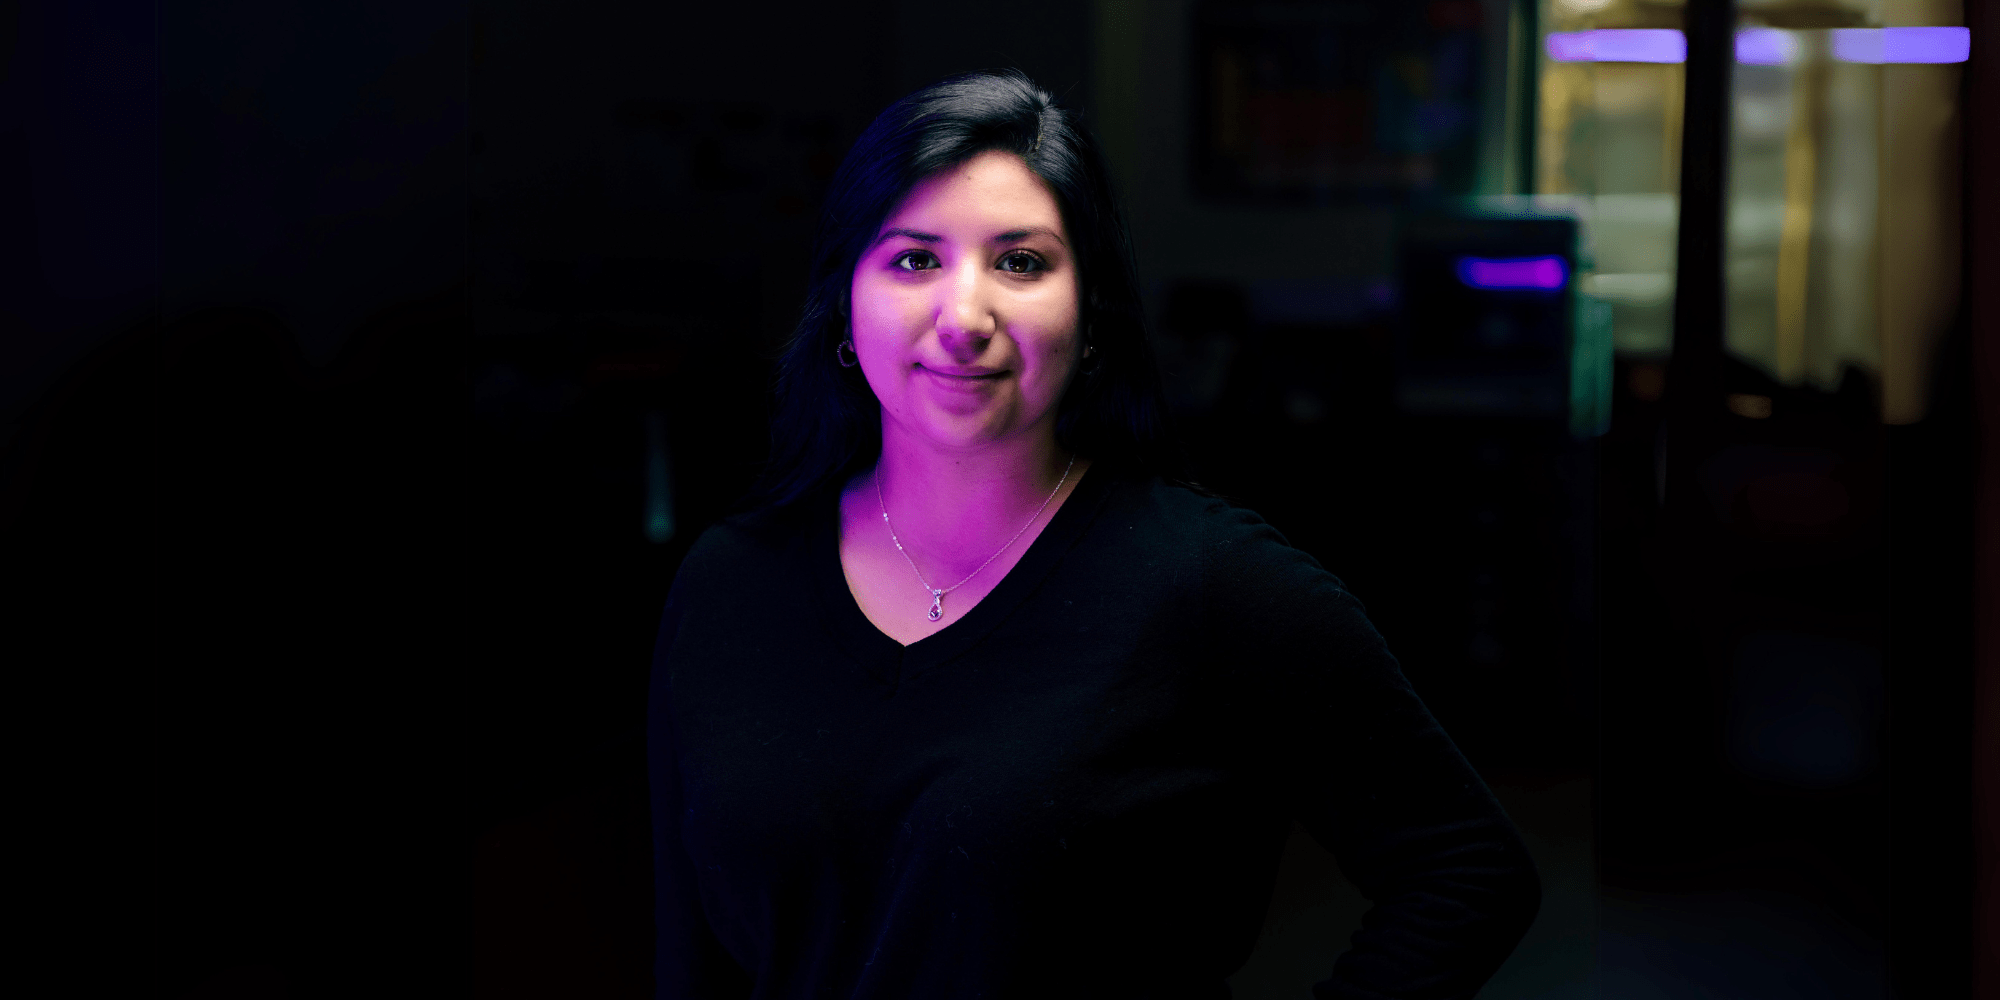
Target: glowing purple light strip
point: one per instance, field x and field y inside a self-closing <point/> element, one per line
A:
<point x="1647" y="45"/>
<point x="1541" y="274"/>
<point x="1765" y="46"/>
<point x="1902" y="45"/>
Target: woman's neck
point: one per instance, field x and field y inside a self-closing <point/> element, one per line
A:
<point x="958" y="505"/>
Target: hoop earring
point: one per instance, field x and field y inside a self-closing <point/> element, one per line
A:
<point x="1090" y="362"/>
<point x="848" y="347"/>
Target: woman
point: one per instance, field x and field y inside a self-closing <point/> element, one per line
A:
<point x="978" y="704"/>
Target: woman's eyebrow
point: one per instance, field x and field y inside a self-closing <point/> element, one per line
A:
<point x="1013" y="235"/>
<point x="920" y="237"/>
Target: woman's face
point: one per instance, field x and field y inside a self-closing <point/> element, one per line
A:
<point x="965" y="306"/>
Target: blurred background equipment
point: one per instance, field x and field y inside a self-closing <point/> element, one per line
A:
<point x="1623" y="356"/>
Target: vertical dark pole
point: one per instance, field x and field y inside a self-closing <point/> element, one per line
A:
<point x="1530" y="84"/>
<point x="1694" y="379"/>
<point x="1680" y="760"/>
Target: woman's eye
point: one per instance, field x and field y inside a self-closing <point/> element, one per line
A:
<point x="1021" y="263"/>
<point x="916" y="260"/>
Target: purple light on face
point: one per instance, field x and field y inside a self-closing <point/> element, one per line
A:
<point x="1534" y="274"/>
<point x="1765" y="47"/>
<point x="1646" y="45"/>
<point x="1902" y="45"/>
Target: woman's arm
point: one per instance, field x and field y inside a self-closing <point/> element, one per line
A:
<point x="1369" y="774"/>
<point x="689" y="963"/>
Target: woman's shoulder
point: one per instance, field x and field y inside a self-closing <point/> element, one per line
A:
<point x="1187" y="509"/>
<point x="1240" y="551"/>
<point x="742" y="545"/>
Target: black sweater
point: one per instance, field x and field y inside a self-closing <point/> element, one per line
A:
<point x="1080" y="788"/>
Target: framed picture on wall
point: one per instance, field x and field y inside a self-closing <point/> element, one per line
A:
<point x="1315" y="99"/>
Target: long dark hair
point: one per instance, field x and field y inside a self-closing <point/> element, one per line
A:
<point x="828" y="424"/>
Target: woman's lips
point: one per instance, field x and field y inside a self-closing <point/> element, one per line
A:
<point x="970" y="382"/>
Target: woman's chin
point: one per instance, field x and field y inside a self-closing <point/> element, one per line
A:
<point x="953" y="424"/>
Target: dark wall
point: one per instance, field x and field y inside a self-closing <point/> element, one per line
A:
<point x="79" y="132"/>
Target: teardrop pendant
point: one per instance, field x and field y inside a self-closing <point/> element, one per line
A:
<point x="937" y="605"/>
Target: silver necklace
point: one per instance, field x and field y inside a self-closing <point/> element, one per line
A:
<point x="937" y="595"/>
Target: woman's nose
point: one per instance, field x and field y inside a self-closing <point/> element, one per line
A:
<point x="965" y="317"/>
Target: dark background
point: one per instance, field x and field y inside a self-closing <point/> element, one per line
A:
<point x="367" y="369"/>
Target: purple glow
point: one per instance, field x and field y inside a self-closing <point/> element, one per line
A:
<point x="1646" y="45"/>
<point x="1765" y="47"/>
<point x="1541" y="274"/>
<point x="1902" y="45"/>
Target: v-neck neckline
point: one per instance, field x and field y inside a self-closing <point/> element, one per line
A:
<point x="889" y="661"/>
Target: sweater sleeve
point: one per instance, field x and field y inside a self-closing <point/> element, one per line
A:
<point x="689" y="962"/>
<point x="1368" y="773"/>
